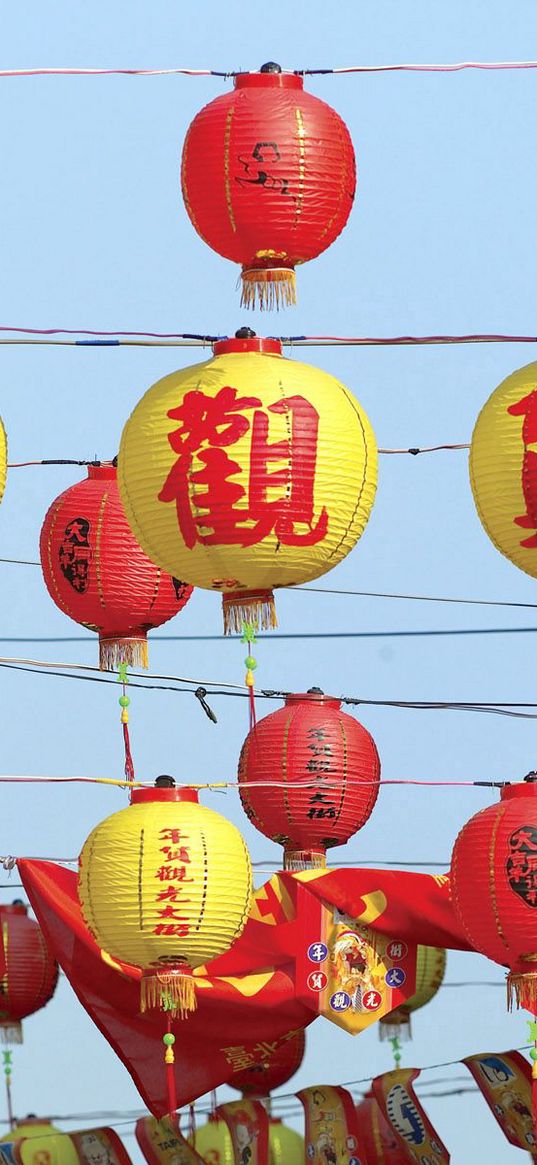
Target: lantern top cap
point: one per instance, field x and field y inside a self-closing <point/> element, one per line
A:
<point x="245" y="340"/>
<point x="313" y="696"/>
<point x="102" y="472"/>
<point x="164" y="793"/>
<point x="268" y="78"/>
<point x="526" y="788"/>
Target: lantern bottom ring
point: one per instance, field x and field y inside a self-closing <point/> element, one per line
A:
<point x="129" y="649"/>
<point x="172" y="991"/>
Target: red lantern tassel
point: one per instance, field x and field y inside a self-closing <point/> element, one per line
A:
<point x="114" y="650"/>
<point x="256" y="608"/>
<point x="269" y="288"/>
<point x="522" y="987"/>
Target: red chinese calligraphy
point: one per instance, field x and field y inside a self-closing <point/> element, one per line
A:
<point x="214" y="509"/>
<point x="527" y="408"/>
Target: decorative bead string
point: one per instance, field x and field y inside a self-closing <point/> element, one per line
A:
<point x="124" y="701"/>
<point x="396" y="1048"/>
<point x="249" y="637"/>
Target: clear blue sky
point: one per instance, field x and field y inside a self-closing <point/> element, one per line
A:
<point x="442" y="239"/>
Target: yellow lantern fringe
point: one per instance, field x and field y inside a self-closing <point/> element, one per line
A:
<point x="396" y="1025"/>
<point x="268" y="288"/>
<point x="254" y="607"/>
<point x="11" y="1032"/>
<point x="297" y="859"/>
<point x="170" y="991"/>
<point x="522" y="989"/>
<point x="132" y="651"/>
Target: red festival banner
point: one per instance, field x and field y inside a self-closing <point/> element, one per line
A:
<point x="248" y="1125"/>
<point x="505" y="1080"/>
<point x="407" y="1117"/>
<point x="331" y="1126"/>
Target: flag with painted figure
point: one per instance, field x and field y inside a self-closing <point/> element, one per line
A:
<point x="405" y="1114"/>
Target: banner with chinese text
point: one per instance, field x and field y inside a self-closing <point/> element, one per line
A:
<point x="162" y="1143"/>
<point x="347" y="973"/>
<point x="407" y="1117"/>
<point x="505" y="1080"/>
<point x="331" y="1126"/>
<point x="248" y="1124"/>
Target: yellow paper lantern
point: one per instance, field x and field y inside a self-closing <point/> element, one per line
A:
<point x="213" y="1142"/>
<point x="165" y="885"/>
<point x="248" y="472"/>
<point x="503" y="468"/>
<point x="3" y="459"/>
<point x="430" y="971"/>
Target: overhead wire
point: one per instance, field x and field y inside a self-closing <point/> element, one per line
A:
<point x="96" y="337"/>
<point x="451" y="67"/>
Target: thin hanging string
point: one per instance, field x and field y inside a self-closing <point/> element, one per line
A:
<point x="413" y="450"/>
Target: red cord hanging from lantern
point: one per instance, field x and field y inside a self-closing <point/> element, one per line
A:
<point x="273" y="1068"/>
<point x="268" y="178"/>
<point x="494" y="886"/>
<point x="96" y="572"/>
<point x="328" y="766"/>
<point x="28" y="972"/>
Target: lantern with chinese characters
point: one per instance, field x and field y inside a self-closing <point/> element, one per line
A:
<point x="3" y="459"/>
<point x="165" y="885"/>
<point x="268" y="178"/>
<point x="272" y="1066"/>
<point x="494" y="886"/>
<point x="503" y="468"/>
<point x="97" y="574"/>
<point x="28" y="972"/>
<point x="309" y="777"/>
<point x="248" y="472"/>
<point x="430" y="971"/>
<point x="375" y="1138"/>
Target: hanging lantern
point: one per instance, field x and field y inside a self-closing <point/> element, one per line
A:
<point x="329" y="770"/>
<point x="430" y="971"/>
<point x="213" y="1142"/>
<point x="3" y="459"/>
<point x="494" y="886"/>
<point x="97" y="574"/>
<point x="165" y="885"/>
<point x="268" y="178"/>
<point x="376" y="1141"/>
<point x="28" y="973"/>
<point x="248" y="472"/>
<point x="503" y="468"/>
<point x="273" y="1068"/>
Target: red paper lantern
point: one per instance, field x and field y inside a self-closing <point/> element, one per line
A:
<point x="376" y="1140"/>
<point x="96" y="572"/>
<point x="329" y="770"/>
<point x="271" y="1069"/>
<point x="28" y="972"/>
<point x="268" y="178"/>
<point x="494" y="886"/>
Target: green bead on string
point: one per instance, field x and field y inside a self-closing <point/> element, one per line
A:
<point x="396" y="1049"/>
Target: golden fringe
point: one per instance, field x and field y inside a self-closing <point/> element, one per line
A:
<point x="303" y="859"/>
<point x="522" y="989"/>
<point x="171" y="991"/>
<point x="256" y="607"/>
<point x="132" y="651"/>
<point x="396" y="1025"/>
<point x="11" y="1032"/>
<point x="268" y="288"/>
